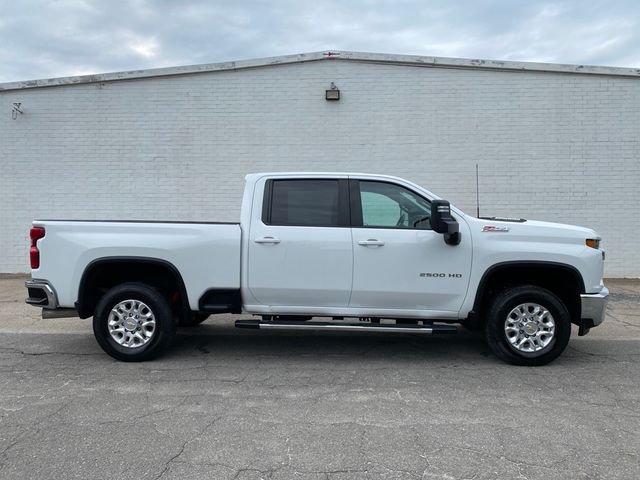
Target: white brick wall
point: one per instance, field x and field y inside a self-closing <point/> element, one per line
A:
<point x="551" y="146"/>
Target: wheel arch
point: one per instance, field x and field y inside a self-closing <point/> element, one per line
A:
<point x="105" y="272"/>
<point x="563" y="280"/>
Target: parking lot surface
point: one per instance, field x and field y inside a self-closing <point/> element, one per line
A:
<point x="227" y="403"/>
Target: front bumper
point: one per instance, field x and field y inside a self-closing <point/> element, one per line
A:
<point x="41" y="294"/>
<point x="594" y="306"/>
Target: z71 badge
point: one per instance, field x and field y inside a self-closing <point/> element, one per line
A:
<point x="493" y="228"/>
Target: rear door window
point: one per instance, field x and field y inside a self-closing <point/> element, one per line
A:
<point x="310" y="203"/>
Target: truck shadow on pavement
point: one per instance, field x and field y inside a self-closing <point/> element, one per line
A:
<point x="221" y="344"/>
<point x="230" y="343"/>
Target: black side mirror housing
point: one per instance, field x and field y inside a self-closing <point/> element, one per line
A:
<point x="443" y="222"/>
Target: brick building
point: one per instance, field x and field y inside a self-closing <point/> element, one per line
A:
<point x="553" y="142"/>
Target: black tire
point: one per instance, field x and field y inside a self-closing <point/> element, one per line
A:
<point x="193" y="319"/>
<point x="162" y="335"/>
<point x="502" y="306"/>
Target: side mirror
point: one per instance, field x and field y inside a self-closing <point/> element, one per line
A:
<point x="443" y="222"/>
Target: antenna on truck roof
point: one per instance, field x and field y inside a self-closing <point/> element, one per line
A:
<point x="477" y="192"/>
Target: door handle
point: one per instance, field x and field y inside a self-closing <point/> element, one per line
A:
<point x="372" y="242"/>
<point x="267" y="240"/>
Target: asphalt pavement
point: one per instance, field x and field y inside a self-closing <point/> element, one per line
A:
<point x="234" y="404"/>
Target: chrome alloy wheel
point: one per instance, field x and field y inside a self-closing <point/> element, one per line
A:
<point x="529" y="327"/>
<point x="131" y="323"/>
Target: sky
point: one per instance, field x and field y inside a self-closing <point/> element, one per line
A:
<point x="54" y="38"/>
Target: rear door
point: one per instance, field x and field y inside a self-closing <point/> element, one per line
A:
<point x="300" y="248"/>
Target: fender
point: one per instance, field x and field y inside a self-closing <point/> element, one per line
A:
<point x="525" y="264"/>
<point x="84" y="311"/>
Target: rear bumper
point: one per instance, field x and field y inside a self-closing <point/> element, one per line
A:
<point x="41" y="294"/>
<point x="594" y="306"/>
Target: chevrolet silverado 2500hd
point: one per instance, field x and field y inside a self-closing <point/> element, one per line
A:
<point x="377" y="249"/>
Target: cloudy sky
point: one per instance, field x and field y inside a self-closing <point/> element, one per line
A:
<point x="41" y="39"/>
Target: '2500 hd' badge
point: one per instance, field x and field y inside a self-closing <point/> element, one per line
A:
<point x="440" y="275"/>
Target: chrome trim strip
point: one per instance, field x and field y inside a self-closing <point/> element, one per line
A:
<point x="594" y="305"/>
<point x="347" y="328"/>
<point x="52" y="299"/>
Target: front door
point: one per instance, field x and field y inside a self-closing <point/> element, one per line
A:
<point x="300" y="246"/>
<point x="399" y="262"/>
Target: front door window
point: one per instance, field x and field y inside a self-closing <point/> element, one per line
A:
<point x="385" y="205"/>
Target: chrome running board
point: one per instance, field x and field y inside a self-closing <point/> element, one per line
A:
<point x="347" y="327"/>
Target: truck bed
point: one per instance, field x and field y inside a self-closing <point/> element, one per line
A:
<point x="207" y="254"/>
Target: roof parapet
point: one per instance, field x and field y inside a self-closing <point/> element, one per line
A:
<point x="330" y="55"/>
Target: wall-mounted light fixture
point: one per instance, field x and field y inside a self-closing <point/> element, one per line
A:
<point x="15" y="110"/>
<point x="333" y="93"/>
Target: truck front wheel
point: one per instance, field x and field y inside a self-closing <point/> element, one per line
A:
<point x="527" y="325"/>
<point x="133" y="322"/>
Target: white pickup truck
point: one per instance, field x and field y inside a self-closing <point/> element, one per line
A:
<point x="369" y="252"/>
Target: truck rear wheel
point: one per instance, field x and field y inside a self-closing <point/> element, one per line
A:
<point x="133" y="322"/>
<point x="527" y="325"/>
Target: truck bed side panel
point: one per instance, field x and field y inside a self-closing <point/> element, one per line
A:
<point x="206" y="255"/>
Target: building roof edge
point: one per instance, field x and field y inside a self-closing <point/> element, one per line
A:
<point x="331" y="55"/>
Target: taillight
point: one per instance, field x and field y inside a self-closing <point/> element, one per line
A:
<point x="36" y="234"/>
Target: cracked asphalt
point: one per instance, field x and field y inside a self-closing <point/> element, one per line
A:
<point x="234" y="404"/>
